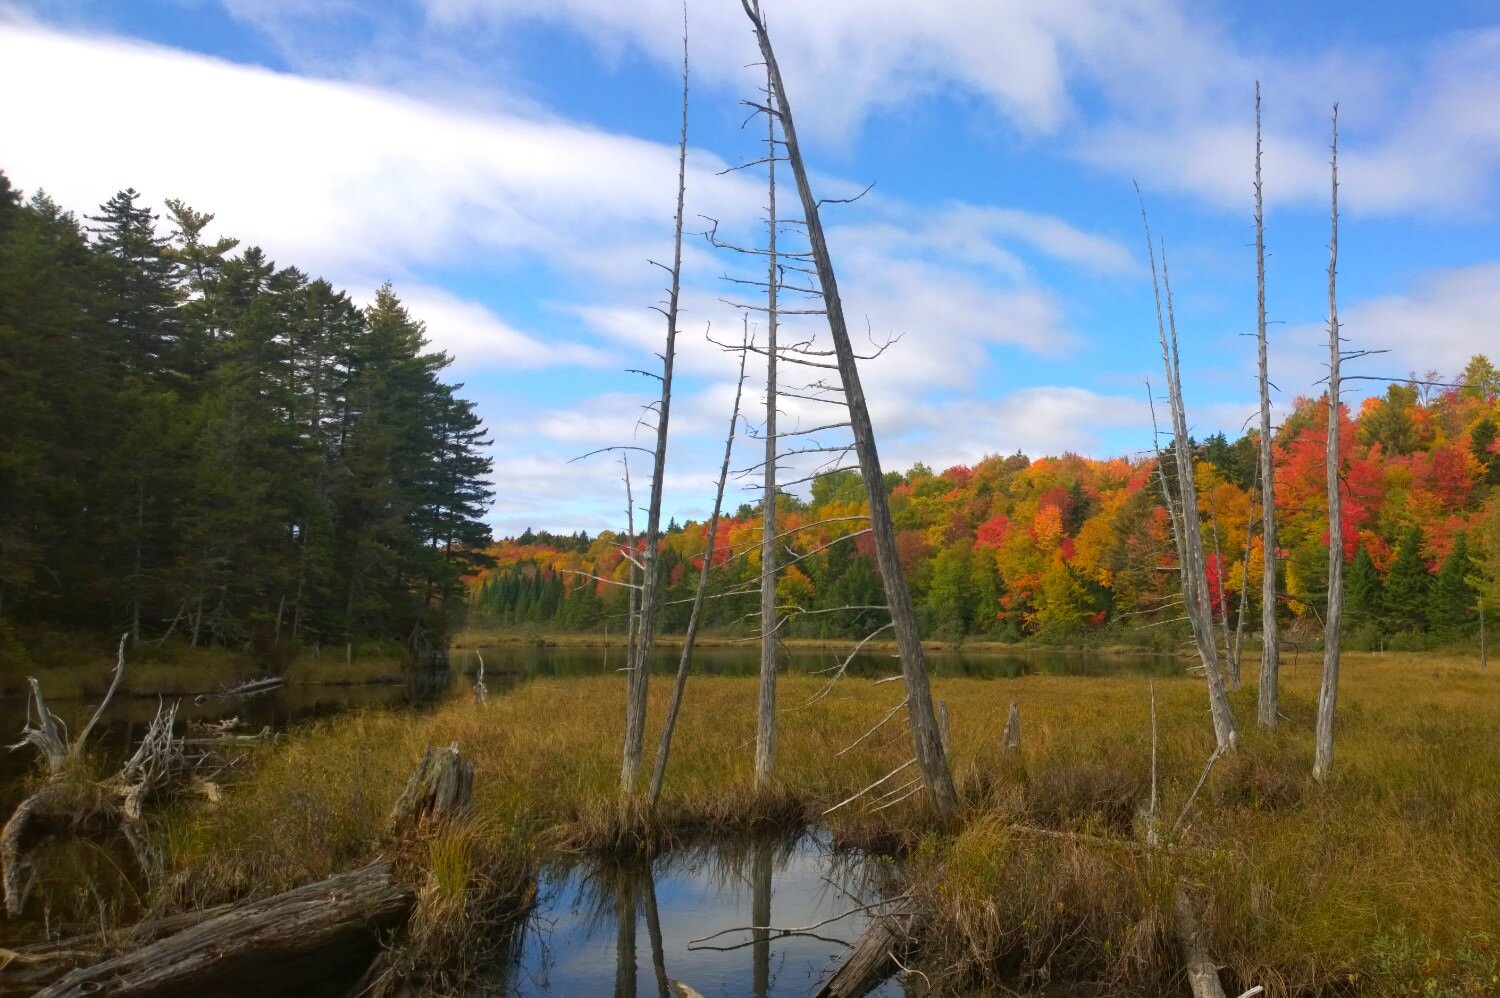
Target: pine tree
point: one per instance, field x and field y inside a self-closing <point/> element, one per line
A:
<point x="1366" y="598"/>
<point x="1451" y="603"/>
<point x="1408" y="585"/>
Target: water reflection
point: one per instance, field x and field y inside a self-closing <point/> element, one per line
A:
<point x="709" y="921"/>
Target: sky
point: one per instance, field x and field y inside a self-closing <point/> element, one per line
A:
<point x="510" y="167"/>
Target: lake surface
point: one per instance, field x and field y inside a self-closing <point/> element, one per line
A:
<point x="626" y="930"/>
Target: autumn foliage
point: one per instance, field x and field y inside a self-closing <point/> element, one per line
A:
<point x="1064" y="547"/>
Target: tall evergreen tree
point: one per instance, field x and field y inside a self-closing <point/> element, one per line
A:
<point x="1366" y="597"/>
<point x="1407" y="587"/>
<point x="1451" y="604"/>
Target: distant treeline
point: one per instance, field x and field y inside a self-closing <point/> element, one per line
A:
<point x="1067" y="548"/>
<point x="198" y="442"/>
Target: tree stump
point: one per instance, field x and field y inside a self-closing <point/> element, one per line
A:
<point x="437" y="789"/>
<point x="1011" y="740"/>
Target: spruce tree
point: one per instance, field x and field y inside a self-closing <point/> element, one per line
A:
<point x="1407" y="587"/>
<point x="1451" y="603"/>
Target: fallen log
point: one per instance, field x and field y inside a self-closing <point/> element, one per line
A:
<point x="277" y="945"/>
<point x="285" y="943"/>
<point x="1202" y="972"/>
<point x="876" y="954"/>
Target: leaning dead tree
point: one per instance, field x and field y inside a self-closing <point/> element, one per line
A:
<point x="788" y="288"/>
<point x="930" y="756"/>
<point x="1270" y="639"/>
<point x="638" y="669"/>
<point x="1328" y="692"/>
<point x="685" y="662"/>
<point x="1182" y="504"/>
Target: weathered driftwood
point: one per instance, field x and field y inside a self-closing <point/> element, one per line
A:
<point x="250" y="688"/>
<point x="875" y="954"/>
<point x="277" y="945"/>
<point x="273" y="946"/>
<point x="1202" y="972"/>
<point x="438" y="788"/>
<point x="69" y="803"/>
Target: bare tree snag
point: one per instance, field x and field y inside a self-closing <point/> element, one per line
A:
<point x="1190" y="529"/>
<point x="639" y="669"/>
<point x="685" y="662"/>
<point x="1010" y="741"/>
<point x="1270" y="639"/>
<point x="1328" y="692"/>
<point x="930" y="757"/>
<point x="765" y="727"/>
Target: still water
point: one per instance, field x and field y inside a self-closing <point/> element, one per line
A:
<point x="692" y="916"/>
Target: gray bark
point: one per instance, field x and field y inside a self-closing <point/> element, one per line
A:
<point x="1190" y="531"/>
<point x="1270" y="638"/>
<point x="684" y="664"/>
<point x="639" y="672"/>
<point x="272" y="946"/>
<point x="765" y="728"/>
<point x="931" y="759"/>
<point x="1328" y="692"/>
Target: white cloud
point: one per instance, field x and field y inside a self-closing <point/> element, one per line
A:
<point x="1037" y="421"/>
<point x="477" y="338"/>
<point x="1153" y="89"/>
<point x="337" y="176"/>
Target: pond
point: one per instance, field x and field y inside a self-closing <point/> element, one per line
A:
<point x="692" y="916"/>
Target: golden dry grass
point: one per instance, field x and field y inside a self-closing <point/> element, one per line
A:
<point x="1384" y="880"/>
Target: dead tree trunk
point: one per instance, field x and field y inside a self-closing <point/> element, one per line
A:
<point x="874" y="955"/>
<point x="1202" y="972"/>
<point x="281" y="944"/>
<point x="273" y="946"/>
<point x="437" y="789"/>
<point x="1328" y="693"/>
<point x="639" y="674"/>
<point x="765" y="728"/>
<point x="1194" y="569"/>
<point x="928" y="748"/>
<point x="684" y="664"/>
<point x="1270" y="638"/>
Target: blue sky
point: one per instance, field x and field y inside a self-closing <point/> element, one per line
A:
<point x="509" y="166"/>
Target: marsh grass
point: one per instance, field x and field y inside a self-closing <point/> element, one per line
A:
<point x="1383" y="880"/>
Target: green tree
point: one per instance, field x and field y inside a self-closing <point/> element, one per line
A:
<point x="1451" y="603"/>
<point x="1365" y="596"/>
<point x="1408" y="585"/>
